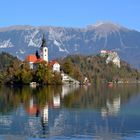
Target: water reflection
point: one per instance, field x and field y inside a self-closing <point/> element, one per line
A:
<point x="111" y="108"/>
<point x="70" y="111"/>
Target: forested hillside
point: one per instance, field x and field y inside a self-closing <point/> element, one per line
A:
<point x="13" y="71"/>
<point x="96" y="69"/>
<point x="6" y="60"/>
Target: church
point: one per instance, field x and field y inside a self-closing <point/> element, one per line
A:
<point x="35" y="59"/>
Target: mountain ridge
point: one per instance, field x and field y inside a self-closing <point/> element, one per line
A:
<point x="21" y="40"/>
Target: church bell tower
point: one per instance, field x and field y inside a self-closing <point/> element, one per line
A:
<point x="45" y="54"/>
<point x="44" y="49"/>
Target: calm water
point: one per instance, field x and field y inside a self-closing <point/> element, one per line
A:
<point x="70" y="112"/>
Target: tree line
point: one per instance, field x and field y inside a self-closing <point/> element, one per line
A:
<point x="19" y="73"/>
<point x="14" y="71"/>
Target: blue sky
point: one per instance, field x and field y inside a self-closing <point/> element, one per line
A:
<point x="69" y="13"/>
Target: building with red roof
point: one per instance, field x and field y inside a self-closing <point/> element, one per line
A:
<point x="35" y="59"/>
<point x="31" y="58"/>
<point x="55" y="66"/>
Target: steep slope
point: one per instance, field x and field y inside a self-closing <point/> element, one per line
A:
<point x="61" y="41"/>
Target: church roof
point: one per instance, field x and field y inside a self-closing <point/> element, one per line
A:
<point x="39" y="60"/>
<point x="31" y="58"/>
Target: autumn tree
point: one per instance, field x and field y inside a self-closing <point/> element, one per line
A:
<point x="68" y="67"/>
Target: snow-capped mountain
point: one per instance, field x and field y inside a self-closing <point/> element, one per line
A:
<point x="61" y="41"/>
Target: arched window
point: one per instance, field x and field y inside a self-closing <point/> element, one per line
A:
<point x="45" y="50"/>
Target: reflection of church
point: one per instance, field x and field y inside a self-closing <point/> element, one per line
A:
<point x="50" y="114"/>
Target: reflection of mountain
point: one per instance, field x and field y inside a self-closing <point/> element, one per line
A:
<point x="57" y="125"/>
<point x="5" y="120"/>
<point x="74" y="123"/>
<point x="104" y="133"/>
<point x="14" y="137"/>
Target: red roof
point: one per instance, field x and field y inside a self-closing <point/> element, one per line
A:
<point x="32" y="110"/>
<point x="51" y="63"/>
<point x="31" y="58"/>
<point x="39" y="60"/>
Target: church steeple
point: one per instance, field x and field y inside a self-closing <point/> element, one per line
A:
<point x="44" y="44"/>
<point x="44" y="49"/>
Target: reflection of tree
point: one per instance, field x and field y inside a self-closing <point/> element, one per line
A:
<point x="92" y="97"/>
<point x="97" y="97"/>
<point x="7" y="100"/>
<point x="12" y="97"/>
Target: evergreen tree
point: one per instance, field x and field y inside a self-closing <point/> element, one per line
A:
<point x="68" y="67"/>
<point x="37" y="54"/>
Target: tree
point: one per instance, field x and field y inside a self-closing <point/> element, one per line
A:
<point x="78" y="74"/>
<point x="56" y="79"/>
<point x="26" y="76"/>
<point x="68" y="67"/>
<point x="22" y="75"/>
<point x="39" y="74"/>
<point x="37" y="54"/>
<point x="47" y="76"/>
<point x="43" y="74"/>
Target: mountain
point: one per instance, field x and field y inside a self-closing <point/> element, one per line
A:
<point x="62" y="41"/>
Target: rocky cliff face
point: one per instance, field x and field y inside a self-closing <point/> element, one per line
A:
<point x="23" y="40"/>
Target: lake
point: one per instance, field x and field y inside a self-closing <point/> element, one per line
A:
<point x="70" y="112"/>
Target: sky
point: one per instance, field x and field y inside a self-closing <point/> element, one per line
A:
<point x="69" y="13"/>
